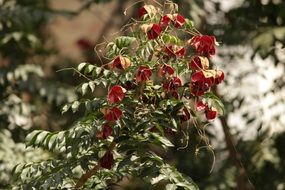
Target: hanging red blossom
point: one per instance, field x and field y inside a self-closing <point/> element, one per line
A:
<point x="200" y="83"/>
<point x="205" y="45"/>
<point x="112" y="114"/>
<point x="107" y="160"/>
<point x="146" y="9"/>
<point x="198" y="63"/>
<point x="121" y="63"/>
<point x="200" y="106"/>
<point x="172" y="85"/>
<point x="165" y="70"/>
<point x="107" y="131"/>
<point x="153" y="32"/>
<point x="116" y="94"/>
<point x="211" y="113"/>
<point x="143" y="74"/>
<point x="175" y="51"/>
<point x="177" y="19"/>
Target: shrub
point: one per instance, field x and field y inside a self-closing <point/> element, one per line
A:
<point x="158" y="83"/>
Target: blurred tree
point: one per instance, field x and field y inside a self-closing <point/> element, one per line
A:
<point x="252" y="35"/>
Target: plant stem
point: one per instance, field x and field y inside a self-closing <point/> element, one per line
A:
<point x="86" y="176"/>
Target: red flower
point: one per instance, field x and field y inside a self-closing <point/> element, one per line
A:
<point x="107" y="160"/>
<point x="165" y="70"/>
<point x="146" y="9"/>
<point x="153" y="32"/>
<point x="165" y="20"/>
<point x="176" y="19"/>
<point x="116" y="94"/>
<point x="144" y="73"/>
<point x="179" y="21"/>
<point x="200" y="84"/>
<point x="121" y="62"/>
<point x="174" y="51"/>
<point x="211" y="113"/>
<point x="112" y="114"/>
<point x="201" y="106"/>
<point x="204" y="45"/>
<point x="107" y="131"/>
<point x="219" y="77"/>
<point x="198" y="63"/>
<point x="172" y="85"/>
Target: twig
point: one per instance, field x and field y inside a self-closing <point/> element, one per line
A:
<point x="86" y="176"/>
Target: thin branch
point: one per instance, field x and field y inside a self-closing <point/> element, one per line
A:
<point x="86" y="176"/>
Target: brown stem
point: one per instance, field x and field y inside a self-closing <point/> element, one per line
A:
<point x="86" y="176"/>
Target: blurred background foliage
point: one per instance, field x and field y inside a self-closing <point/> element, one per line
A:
<point x="248" y="140"/>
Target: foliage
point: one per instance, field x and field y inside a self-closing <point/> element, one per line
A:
<point x="24" y="89"/>
<point x="159" y="83"/>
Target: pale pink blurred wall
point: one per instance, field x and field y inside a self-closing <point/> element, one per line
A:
<point x="88" y="25"/>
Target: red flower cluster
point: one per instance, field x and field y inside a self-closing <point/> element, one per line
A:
<point x="199" y="63"/>
<point x="202" y="81"/>
<point x="176" y="19"/>
<point x="175" y="51"/>
<point x="112" y="114"/>
<point x="116" y="94"/>
<point x="204" y="45"/>
<point x="172" y="85"/>
<point x="146" y="10"/>
<point x="153" y="32"/>
<point x="121" y="63"/>
<point x="165" y="71"/>
<point x="210" y="112"/>
<point x="143" y="74"/>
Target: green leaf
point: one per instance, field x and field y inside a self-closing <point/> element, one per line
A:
<point x="65" y="108"/>
<point x="189" y="24"/>
<point x="92" y="86"/>
<point x="170" y="187"/>
<point x="89" y="69"/>
<point x="216" y="102"/>
<point x="84" y="88"/>
<point x="75" y="106"/>
<point x="81" y="66"/>
<point x="163" y="140"/>
<point x="31" y="138"/>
